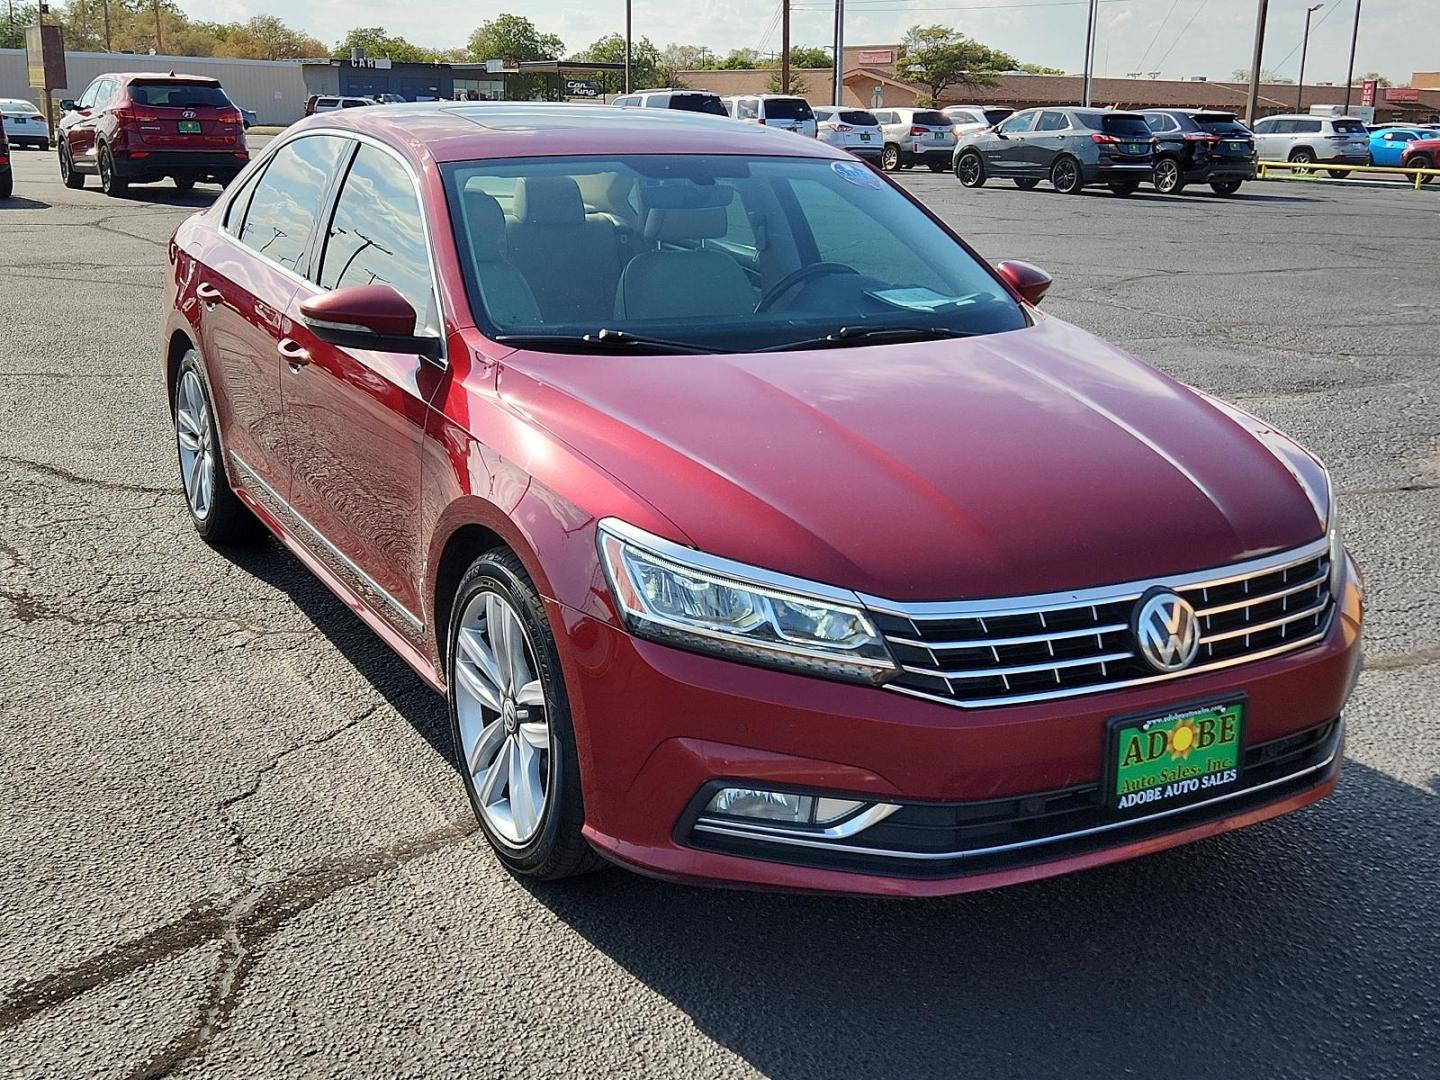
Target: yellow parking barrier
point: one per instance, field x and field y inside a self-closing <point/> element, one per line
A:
<point x="1266" y="167"/>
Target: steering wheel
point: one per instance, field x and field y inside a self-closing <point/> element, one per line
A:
<point x="799" y="277"/>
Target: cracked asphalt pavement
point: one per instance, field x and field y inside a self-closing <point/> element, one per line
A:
<point x="233" y="842"/>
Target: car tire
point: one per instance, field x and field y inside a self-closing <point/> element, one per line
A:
<point x="1167" y="177"/>
<point x="1027" y="183"/>
<point x="890" y="158"/>
<point x="498" y="742"/>
<point x="215" y="510"/>
<point x="970" y="170"/>
<point x="1422" y="161"/>
<point x="44" y="147"/>
<point x="184" y="183"/>
<point x="1339" y="174"/>
<point x="1065" y="175"/>
<point x="1225" y="187"/>
<point x="1124" y="187"/>
<point x="111" y="184"/>
<point x="69" y="175"/>
<point x="7" y="184"/>
<point x="1303" y="157"/>
<point x="936" y="166"/>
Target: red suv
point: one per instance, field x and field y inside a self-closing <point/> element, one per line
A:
<point x="137" y="128"/>
<point x="756" y="529"/>
<point x="1421" y="154"/>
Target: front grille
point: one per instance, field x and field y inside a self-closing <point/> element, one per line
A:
<point x="1000" y="652"/>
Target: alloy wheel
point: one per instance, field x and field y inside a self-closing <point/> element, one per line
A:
<point x="1065" y="177"/>
<point x="890" y="159"/>
<point x="194" y="431"/>
<point x="968" y="168"/>
<point x="1167" y="176"/>
<point x="504" y="727"/>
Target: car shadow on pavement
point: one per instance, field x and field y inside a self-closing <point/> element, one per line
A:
<point x="18" y="202"/>
<point x="169" y="196"/>
<point x="1301" y="947"/>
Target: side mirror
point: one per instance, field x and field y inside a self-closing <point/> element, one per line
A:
<point x="67" y="104"/>
<point x="1030" y="282"/>
<point x="367" y="317"/>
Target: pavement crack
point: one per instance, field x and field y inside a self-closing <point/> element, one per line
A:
<point x="1394" y="489"/>
<point x="241" y="923"/>
<point x="85" y="481"/>
<point x="1402" y="661"/>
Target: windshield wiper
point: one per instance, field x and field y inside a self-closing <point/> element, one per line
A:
<point x="600" y="341"/>
<point x="866" y="335"/>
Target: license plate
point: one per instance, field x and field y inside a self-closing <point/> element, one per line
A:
<point x="864" y="136"/>
<point x="1135" y="148"/>
<point x="938" y="136"/>
<point x="190" y="127"/>
<point x="1159" y="759"/>
<point x="1237" y="146"/>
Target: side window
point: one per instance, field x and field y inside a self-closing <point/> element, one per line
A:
<point x="1018" y="123"/>
<point x="104" y="93"/>
<point x="377" y="236"/>
<point x="1052" y="121"/>
<point x="287" y="199"/>
<point x="87" y="99"/>
<point x="235" y="211"/>
<point x="1307" y="127"/>
<point x="1263" y="127"/>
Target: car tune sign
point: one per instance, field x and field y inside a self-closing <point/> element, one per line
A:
<point x="1165" y="758"/>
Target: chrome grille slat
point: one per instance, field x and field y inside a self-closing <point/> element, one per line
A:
<point x="1017" y="650"/>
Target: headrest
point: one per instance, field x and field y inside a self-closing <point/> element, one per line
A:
<point x="486" y="222"/>
<point x="549" y="200"/>
<point x="671" y="226"/>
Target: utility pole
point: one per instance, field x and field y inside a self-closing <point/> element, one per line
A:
<point x="1090" y="25"/>
<point x="1304" y="48"/>
<point x="1252" y="102"/>
<point x="1350" y="71"/>
<point x="159" y="41"/>
<point x="629" y="53"/>
<point x="839" y="52"/>
<point x="784" y="46"/>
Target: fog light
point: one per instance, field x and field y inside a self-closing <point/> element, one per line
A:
<point x="780" y="806"/>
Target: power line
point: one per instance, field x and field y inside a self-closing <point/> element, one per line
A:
<point x="1145" y="55"/>
<point x="769" y="29"/>
<point x="1161" y="62"/>
<point x="1330" y="11"/>
<point x="892" y="5"/>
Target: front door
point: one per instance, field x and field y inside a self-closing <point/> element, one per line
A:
<point x="355" y="419"/>
<point x="77" y="127"/>
<point x="1005" y="154"/>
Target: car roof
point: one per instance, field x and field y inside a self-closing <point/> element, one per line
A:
<point x="162" y="76"/>
<point x="669" y="90"/>
<point x="469" y="130"/>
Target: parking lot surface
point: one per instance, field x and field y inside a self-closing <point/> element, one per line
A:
<point x="233" y="843"/>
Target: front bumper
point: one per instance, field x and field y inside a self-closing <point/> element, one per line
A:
<point x="657" y="728"/>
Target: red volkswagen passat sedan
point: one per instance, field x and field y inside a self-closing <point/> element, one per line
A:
<point x="757" y="530"/>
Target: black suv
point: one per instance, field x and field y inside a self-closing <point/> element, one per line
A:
<point x="1200" y="146"/>
<point x="1070" y="147"/>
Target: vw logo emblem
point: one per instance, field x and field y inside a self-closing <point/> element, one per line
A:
<point x="188" y="114"/>
<point x="1167" y="630"/>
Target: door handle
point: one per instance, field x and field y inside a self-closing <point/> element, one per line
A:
<point x="293" y="353"/>
<point x="208" y="294"/>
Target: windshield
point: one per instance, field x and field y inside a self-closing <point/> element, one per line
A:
<point x="1115" y="123"/>
<point x="863" y="119"/>
<point x="1220" y="124"/>
<point x="13" y="106"/>
<point x="701" y="103"/>
<point x="716" y="254"/>
<point x="179" y="95"/>
<point x="930" y="119"/>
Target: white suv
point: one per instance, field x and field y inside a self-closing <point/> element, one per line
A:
<point x="850" y="129"/>
<point x="1306" y="139"/>
<point x="916" y="137"/>
<point x="784" y="111"/>
<point x="700" y="101"/>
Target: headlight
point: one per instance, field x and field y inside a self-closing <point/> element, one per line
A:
<point x="676" y="596"/>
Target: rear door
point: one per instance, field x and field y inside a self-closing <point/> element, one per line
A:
<point x="1124" y="139"/>
<point x="1040" y="148"/>
<point x="1230" y="142"/>
<point x="183" y="114"/>
<point x="1348" y="138"/>
<point x="354" y="419"/>
<point x="244" y="288"/>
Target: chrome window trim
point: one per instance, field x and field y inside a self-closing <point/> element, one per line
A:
<point x="369" y="581"/>
<point x="275" y="147"/>
<point x="748" y="833"/>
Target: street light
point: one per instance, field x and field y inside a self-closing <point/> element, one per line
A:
<point x="1350" y="71"/>
<point x="1304" y="47"/>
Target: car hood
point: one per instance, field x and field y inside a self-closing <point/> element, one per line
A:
<point x="1032" y="461"/>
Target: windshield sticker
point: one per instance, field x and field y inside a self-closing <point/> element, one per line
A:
<point x="920" y="299"/>
<point x="857" y="174"/>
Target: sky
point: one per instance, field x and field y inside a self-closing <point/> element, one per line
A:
<point x="1179" y="38"/>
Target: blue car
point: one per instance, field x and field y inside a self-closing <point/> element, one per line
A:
<point x="1388" y="144"/>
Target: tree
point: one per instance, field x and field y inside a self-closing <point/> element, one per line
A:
<point x="266" y="37"/>
<point x="13" y="23"/>
<point x="513" y="37"/>
<point x="938" y="58"/>
<point x="376" y="42"/>
<point x="740" y="59"/>
<point x="1041" y="69"/>
<point x="1380" y="80"/>
<point x="809" y="56"/>
<point x="645" y="62"/>
<point x="1242" y="75"/>
<point x="798" y="85"/>
<point x="684" y="58"/>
